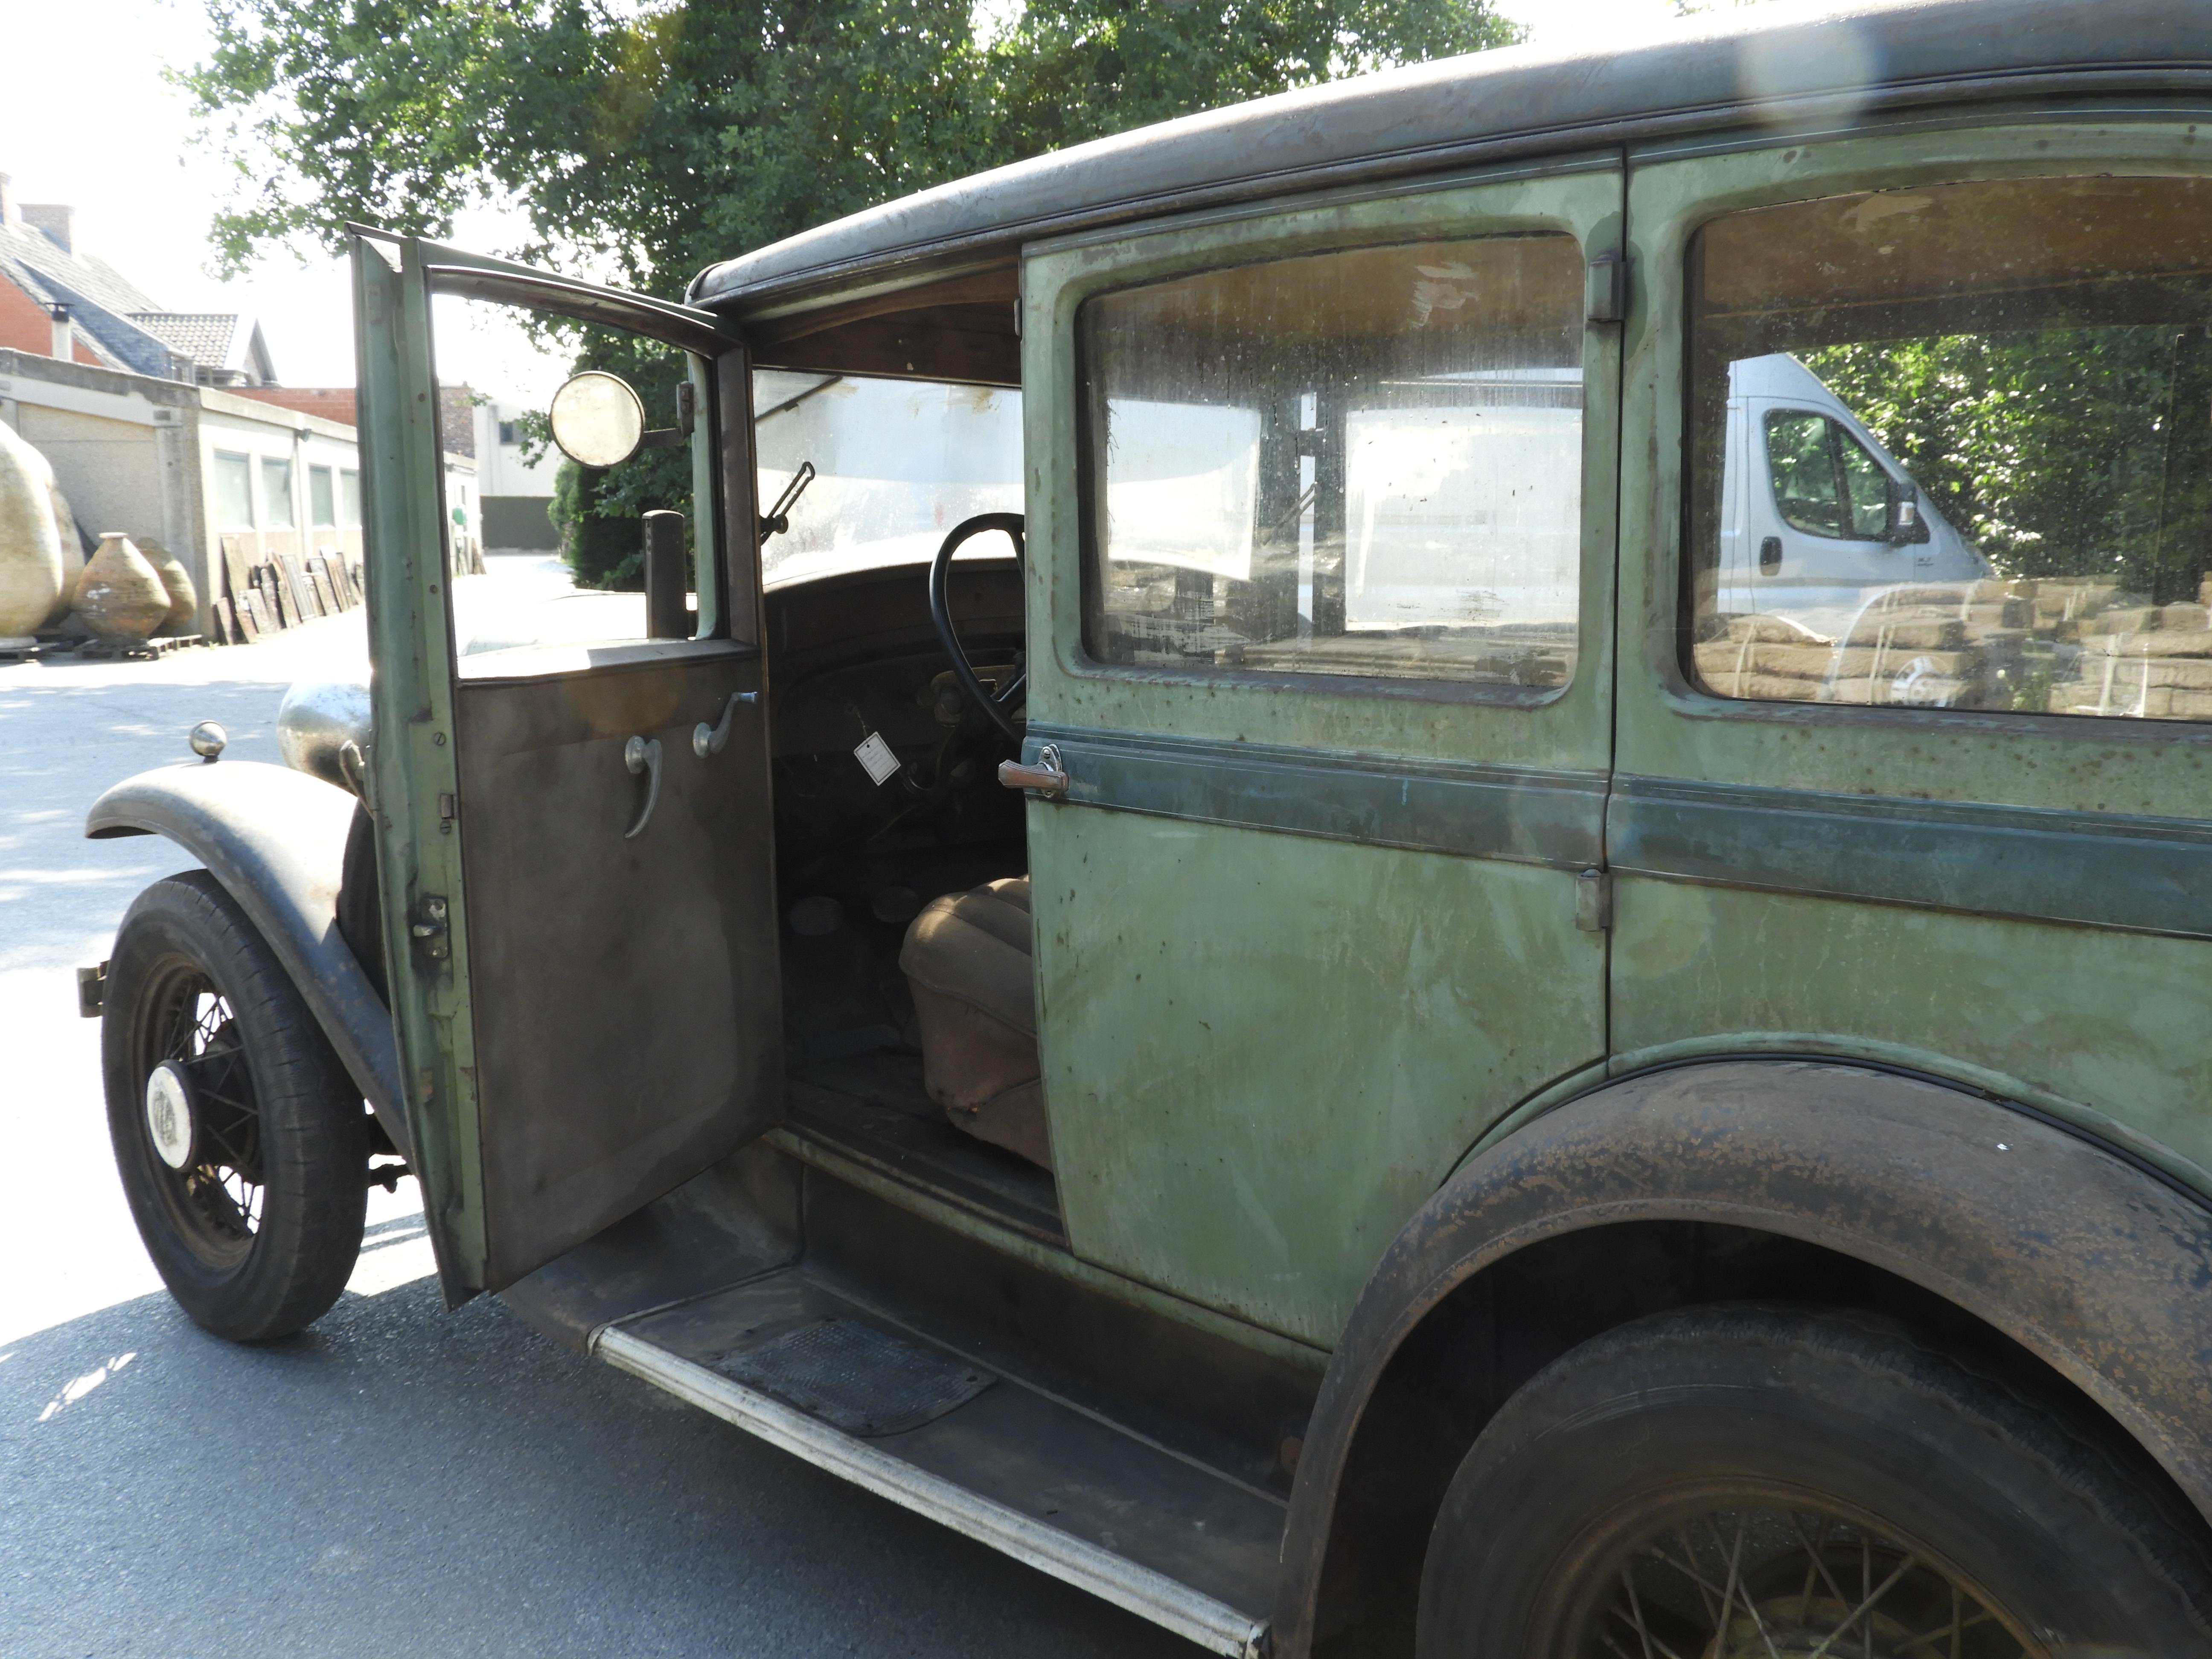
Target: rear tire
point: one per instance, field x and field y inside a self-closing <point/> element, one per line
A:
<point x="257" y="1231"/>
<point x="1838" y="1488"/>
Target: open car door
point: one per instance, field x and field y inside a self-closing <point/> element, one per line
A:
<point x="578" y="897"/>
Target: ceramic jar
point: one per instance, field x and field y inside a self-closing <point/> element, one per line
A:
<point x="184" y="598"/>
<point x="72" y="556"/>
<point x="120" y="596"/>
<point x="30" y="545"/>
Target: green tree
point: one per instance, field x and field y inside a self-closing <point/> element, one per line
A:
<point x="655" y="142"/>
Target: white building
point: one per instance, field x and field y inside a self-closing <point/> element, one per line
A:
<point x="514" y="495"/>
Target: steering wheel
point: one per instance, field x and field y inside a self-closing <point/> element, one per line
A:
<point x="941" y="613"/>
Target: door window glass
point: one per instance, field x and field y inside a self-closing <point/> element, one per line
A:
<point x="233" y="491"/>
<point x="897" y="465"/>
<point x="1366" y="462"/>
<point x="276" y="492"/>
<point x="1984" y="411"/>
<point x="322" y="500"/>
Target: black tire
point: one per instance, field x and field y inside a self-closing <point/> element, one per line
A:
<point x="1828" y="1456"/>
<point x="257" y="1235"/>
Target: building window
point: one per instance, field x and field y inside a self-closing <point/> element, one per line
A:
<point x="276" y="492"/>
<point x="350" y="497"/>
<point x="506" y="433"/>
<point x="233" y="492"/>
<point x="322" y="499"/>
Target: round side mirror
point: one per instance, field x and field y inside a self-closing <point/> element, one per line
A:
<point x="597" y="419"/>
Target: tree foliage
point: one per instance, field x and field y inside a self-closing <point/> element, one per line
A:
<point x="650" y="144"/>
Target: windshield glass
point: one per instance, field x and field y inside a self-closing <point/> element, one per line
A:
<point x="896" y="464"/>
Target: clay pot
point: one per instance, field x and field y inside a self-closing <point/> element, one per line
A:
<point x="72" y="556"/>
<point x="120" y="596"/>
<point x="184" y="598"/>
<point x="30" y="546"/>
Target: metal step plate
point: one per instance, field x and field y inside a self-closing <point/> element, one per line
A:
<point x="856" y="1376"/>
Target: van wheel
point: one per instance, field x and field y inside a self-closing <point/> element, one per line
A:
<point x="1738" y="1481"/>
<point x="242" y="1145"/>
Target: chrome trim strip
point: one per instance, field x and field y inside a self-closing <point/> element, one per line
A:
<point x="1149" y="1594"/>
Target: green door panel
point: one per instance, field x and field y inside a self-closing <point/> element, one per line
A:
<point x="1301" y="938"/>
<point x="1265" y="1050"/>
<point x="2110" y="1029"/>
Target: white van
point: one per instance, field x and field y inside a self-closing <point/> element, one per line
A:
<point x="1816" y="516"/>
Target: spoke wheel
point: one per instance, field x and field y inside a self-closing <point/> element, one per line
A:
<point x="242" y="1145"/>
<point x="1780" y="1575"/>
<point x="1757" y="1482"/>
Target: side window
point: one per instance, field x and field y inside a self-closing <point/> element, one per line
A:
<point x="277" y="493"/>
<point x="322" y="502"/>
<point x="1986" y="415"/>
<point x="1366" y="462"/>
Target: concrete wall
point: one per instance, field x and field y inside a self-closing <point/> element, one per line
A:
<point x="518" y="521"/>
<point x="109" y="470"/>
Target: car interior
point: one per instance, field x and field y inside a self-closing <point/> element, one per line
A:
<point x="902" y="870"/>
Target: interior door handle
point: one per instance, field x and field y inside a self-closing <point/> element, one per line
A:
<point x="708" y="739"/>
<point x="1048" y="777"/>
<point x="643" y="755"/>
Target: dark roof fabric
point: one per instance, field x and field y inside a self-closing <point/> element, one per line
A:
<point x="1780" y="61"/>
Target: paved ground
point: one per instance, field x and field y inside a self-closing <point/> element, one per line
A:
<point x="398" y="1481"/>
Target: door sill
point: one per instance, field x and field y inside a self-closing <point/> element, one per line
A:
<point x="1009" y="1465"/>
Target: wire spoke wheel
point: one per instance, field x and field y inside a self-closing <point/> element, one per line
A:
<point x="241" y="1143"/>
<point x="1789" y="1578"/>
<point x="218" y="1196"/>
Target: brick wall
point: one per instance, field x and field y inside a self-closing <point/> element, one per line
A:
<point x="332" y="403"/>
<point x="25" y="326"/>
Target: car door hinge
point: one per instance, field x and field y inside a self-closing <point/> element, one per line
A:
<point x="430" y="929"/>
<point x="1606" y="288"/>
<point x="1594" y="901"/>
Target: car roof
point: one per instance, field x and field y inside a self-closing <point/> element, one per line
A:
<point x="1780" y="65"/>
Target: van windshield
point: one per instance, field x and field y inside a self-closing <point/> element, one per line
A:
<point x="897" y="463"/>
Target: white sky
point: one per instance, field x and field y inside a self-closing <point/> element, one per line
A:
<point x="117" y="147"/>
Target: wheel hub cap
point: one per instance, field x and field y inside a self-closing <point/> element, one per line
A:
<point x="169" y="1115"/>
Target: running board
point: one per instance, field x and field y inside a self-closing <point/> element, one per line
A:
<point x="1143" y="1590"/>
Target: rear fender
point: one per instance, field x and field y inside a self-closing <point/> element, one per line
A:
<point x="2100" y="1268"/>
<point x="276" y="839"/>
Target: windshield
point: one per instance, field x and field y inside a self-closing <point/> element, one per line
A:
<point x="897" y="465"/>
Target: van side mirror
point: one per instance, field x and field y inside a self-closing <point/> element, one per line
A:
<point x="1902" y="520"/>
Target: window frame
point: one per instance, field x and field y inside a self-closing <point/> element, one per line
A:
<point x="1578" y="195"/>
<point x="1668" y="725"/>
<point x="329" y="476"/>
<point x="265" y="466"/>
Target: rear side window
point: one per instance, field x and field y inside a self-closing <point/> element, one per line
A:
<point x="1366" y="462"/>
<point x="1951" y="447"/>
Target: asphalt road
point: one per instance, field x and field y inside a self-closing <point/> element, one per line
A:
<point x="397" y="1480"/>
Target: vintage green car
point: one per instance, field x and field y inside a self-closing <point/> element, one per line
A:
<point x="1534" y="982"/>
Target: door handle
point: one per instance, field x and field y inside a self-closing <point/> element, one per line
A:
<point x="708" y="739"/>
<point x="1047" y="777"/>
<point x="643" y="755"/>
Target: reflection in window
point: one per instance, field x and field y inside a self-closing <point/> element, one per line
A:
<point x="897" y="463"/>
<point x="1953" y="447"/>
<point x="233" y="491"/>
<point x="1365" y="462"/>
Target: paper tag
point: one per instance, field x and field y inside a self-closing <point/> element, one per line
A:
<point x="876" y="755"/>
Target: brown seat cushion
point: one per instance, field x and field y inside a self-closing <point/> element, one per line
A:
<point x="967" y="958"/>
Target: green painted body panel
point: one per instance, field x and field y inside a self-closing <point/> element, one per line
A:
<point x="1263" y="1050"/>
<point x="2110" y="1031"/>
<point x="412" y="763"/>
<point x="1267" y="1050"/>
<point x="2108" y="1028"/>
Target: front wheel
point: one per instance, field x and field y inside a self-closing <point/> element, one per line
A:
<point x="1765" y="1483"/>
<point x="242" y="1146"/>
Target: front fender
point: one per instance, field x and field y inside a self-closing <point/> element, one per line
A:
<point x="2100" y="1269"/>
<point x="275" y="840"/>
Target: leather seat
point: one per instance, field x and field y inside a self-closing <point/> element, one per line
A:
<point x="967" y="958"/>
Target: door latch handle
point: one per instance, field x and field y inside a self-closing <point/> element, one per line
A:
<point x="643" y="755"/>
<point x="1047" y="777"/>
<point x="709" y="739"/>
